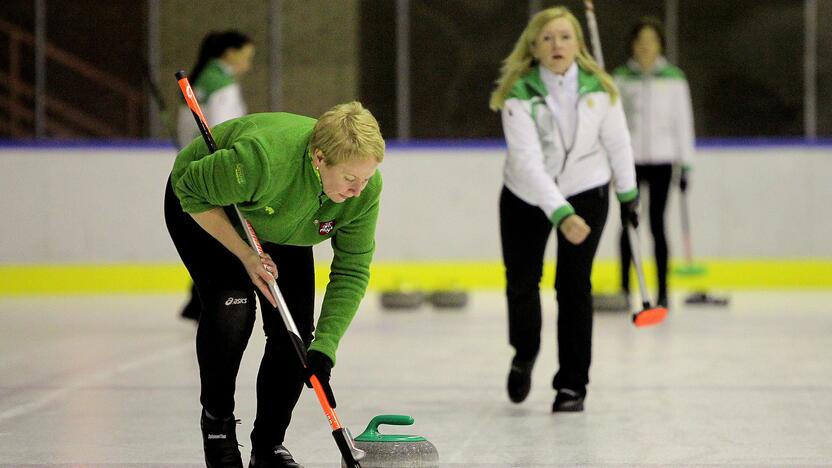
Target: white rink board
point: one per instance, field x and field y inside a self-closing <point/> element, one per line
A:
<point x="104" y="205"/>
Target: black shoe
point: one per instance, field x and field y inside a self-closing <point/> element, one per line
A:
<point x="279" y="457"/>
<point x="662" y="301"/>
<point x="520" y="380"/>
<point x="219" y="440"/>
<point x="568" y="401"/>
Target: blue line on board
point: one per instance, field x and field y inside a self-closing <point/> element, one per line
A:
<point x="420" y="144"/>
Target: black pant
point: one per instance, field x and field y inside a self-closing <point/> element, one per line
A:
<point x="657" y="177"/>
<point x="227" y="320"/>
<point x="524" y="231"/>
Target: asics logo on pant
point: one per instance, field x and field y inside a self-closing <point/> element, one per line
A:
<point x="235" y="301"/>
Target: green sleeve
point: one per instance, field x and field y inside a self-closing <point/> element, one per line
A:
<point x="630" y="195"/>
<point x="560" y="214"/>
<point x="353" y="247"/>
<point x="236" y="173"/>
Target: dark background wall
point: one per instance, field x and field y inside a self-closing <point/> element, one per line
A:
<point x="108" y="37"/>
<point x="318" y="55"/>
<point x="743" y="58"/>
<point x="745" y="64"/>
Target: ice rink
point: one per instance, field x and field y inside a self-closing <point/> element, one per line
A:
<point x="112" y="381"/>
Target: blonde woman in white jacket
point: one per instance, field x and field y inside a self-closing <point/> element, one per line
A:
<point x="567" y="139"/>
<point x="657" y="102"/>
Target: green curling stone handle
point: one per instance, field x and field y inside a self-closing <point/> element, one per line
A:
<point x="371" y="433"/>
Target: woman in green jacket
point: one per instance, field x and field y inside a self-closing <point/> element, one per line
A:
<point x="298" y="182"/>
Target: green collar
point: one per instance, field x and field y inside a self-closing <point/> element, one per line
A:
<point x="587" y="82"/>
<point x="310" y="155"/>
<point x="321" y="195"/>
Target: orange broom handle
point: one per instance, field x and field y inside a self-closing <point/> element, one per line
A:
<point x="328" y="411"/>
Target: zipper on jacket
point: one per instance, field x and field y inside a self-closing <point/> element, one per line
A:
<point x="566" y="150"/>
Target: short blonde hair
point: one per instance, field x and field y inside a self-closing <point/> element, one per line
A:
<point x="521" y="60"/>
<point x="348" y="132"/>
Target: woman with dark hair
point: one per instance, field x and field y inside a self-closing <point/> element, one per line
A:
<point x="223" y="58"/>
<point x="657" y="102"/>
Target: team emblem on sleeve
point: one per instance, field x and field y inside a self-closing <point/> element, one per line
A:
<point x="325" y="227"/>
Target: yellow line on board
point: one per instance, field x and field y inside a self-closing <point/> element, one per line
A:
<point x="18" y="280"/>
<point x="720" y="274"/>
<point x="92" y="279"/>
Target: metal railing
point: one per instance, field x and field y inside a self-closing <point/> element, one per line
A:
<point x="63" y="119"/>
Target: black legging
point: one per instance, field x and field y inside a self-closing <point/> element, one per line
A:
<point x="524" y="230"/>
<point x="227" y="320"/>
<point x="657" y="177"/>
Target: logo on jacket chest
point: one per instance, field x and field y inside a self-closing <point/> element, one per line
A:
<point x="325" y="227"/>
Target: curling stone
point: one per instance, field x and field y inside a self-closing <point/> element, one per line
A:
<point x="394" y="451"/>
<point x="448" y="294"/>
<point x="611" y="302"/>
<point x="402" y="297"/>
<point x="449" y="298"/>
<point x="703" y="298"/>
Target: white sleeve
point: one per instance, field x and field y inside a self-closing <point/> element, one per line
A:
<point x="615" y="137"/>
<point x="225" y="104"/>
<point x="524" y="164"/>
<point x="684" y="128"/>
<point x="186" y="129"/>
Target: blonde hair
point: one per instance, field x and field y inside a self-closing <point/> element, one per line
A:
<point x="521" y="60"/>
<point x="347" y="132"/>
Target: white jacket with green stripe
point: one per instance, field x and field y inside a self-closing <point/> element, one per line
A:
<point x="658" y="108"/>
<point x="219" y="96"/>
<point x="540" y="170"/>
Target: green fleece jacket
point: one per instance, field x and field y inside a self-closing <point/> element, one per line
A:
<point x="263" y="165"/>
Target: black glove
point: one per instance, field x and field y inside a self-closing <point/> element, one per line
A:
<point x="629" y="213"/>
<point x="683" y="180"/>
<point x="321" y="367"/>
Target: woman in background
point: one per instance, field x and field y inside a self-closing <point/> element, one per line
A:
<point x="567" y="138"/>
<point x="657" y="102"/>
<point x="223" y="58"/>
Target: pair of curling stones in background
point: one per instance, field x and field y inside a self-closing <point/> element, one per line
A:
<point x="392" y="450"/>
<point x="404" y="297"/>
